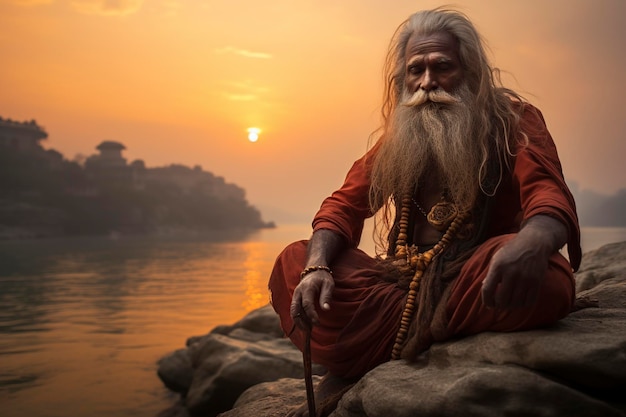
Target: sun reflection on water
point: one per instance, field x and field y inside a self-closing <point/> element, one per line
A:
<point x="255" y="279"/>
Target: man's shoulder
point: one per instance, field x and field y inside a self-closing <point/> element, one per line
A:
<point x="530" y="117"/>
<point x="524" y="108"/>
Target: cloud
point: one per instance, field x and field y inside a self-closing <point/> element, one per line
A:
<point x="107" y="7"/>
<point x="243" y="52"/>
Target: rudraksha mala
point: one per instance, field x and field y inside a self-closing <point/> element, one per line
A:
<point x="419" y="262"/>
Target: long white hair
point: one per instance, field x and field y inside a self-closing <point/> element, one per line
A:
<point x="495" y="109"/>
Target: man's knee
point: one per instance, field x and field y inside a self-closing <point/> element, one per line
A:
<point x="468" y="314"/>
<point x="557" y="294"/>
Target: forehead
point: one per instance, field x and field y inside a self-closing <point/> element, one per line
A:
<point x="442" y="44"/>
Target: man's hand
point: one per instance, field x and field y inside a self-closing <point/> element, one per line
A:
<point x="315" y="287"/>
<point x="518" y="269"/>
<point x="515" y="275"/>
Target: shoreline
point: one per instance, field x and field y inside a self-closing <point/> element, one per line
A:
<point x="16" y="234"/>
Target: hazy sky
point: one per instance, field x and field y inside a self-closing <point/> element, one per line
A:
<point x="181" y="81"/>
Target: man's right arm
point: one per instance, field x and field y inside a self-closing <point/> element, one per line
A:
<point x="337" y="225"/>
<point x="317" y="286"/>
<point x="324" y="246"/>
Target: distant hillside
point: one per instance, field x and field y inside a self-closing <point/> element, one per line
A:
<point x="44" y="194"/>
<point x="598" y="210"/>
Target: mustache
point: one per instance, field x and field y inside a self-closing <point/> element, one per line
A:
<point x="436" y="96"/>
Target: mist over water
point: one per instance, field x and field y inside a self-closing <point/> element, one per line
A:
<point x="84" y="321"/>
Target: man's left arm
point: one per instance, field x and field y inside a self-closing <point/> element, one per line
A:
<point x="538" y="176"/>
<point x="518" y="269"/>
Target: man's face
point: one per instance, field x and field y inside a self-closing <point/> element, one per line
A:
<point x="433" y="62"/>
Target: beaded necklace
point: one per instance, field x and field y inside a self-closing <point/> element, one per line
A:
<point x="420" y="261"/>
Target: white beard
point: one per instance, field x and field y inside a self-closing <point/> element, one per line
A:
<point x="431" y="137"/>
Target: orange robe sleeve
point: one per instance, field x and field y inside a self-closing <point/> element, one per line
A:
<point x="538" y="176"/>
<point x="345" y="211"/>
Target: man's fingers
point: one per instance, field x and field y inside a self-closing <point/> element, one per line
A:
<point x="326" y="294"/>
<point x="489" y="289"/>
<point x="531" y="297"/>
<point x="296" y="312"/>
<point x="308" y="305"/>
<point x="505" y="293"/>
<point x="307" y="295"/>
<point x="294" y="308"/>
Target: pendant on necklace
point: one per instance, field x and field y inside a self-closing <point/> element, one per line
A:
<point x="442" y="214"/>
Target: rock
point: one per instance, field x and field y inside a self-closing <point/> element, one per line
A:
<point x="609" y="261"/>
<point x="485" y="390"/>
<point x="176" y="410"/>
<point x="225" y="367"/>
<point x="212" y="372"/>
<point x="262" y="321"/>
<point x="577" y="367"/>
<point x="175" y="371"/>
<point x="270" y="399"/>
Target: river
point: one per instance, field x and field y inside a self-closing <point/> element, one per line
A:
<point x="83" y="321"/>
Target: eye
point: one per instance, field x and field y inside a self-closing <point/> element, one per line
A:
<point x="445" y="66"/>
<point x="415" y="69"/>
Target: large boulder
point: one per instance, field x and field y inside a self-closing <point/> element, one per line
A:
<point x="577" y="367"/>
<point x="609" y="261"/>
<point x="215" y="369"/>
<point x="270" y="399"/>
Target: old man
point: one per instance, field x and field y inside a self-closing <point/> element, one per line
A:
<point x="471" y="213"/>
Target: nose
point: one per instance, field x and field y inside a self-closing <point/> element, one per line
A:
<point x="429" y="82"/>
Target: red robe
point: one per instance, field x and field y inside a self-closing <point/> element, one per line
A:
<point x="358" y="332"/>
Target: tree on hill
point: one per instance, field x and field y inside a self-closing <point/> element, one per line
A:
<point x="42" y="194"/>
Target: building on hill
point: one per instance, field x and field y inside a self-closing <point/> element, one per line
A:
<point x="109" y="164"/>
<point x="111" y="154"/>
<point x="21" y="136"/>
<point x="42" y="194"/>
<point x="54" y="158"/>
<point x="137" y="172"/>
<point x="194" y="180"/>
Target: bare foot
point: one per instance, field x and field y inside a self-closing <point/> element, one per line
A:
<point x="327" y="394"/>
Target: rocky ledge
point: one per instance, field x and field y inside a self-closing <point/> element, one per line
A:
<point x="576" y="367"/>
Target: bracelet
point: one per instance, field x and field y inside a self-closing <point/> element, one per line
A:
<point x="314" y="268"/>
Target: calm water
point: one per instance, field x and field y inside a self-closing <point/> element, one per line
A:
<point x="83" y="321"/>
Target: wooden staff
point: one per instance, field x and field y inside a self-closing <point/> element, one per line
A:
<point x="308" y="373"/>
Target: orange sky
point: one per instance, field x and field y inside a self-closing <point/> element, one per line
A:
<point x="181" y="81"/>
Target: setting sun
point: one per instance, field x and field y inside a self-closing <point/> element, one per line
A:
<point x="224" y="69"/>
<point x="253" y="134"/>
